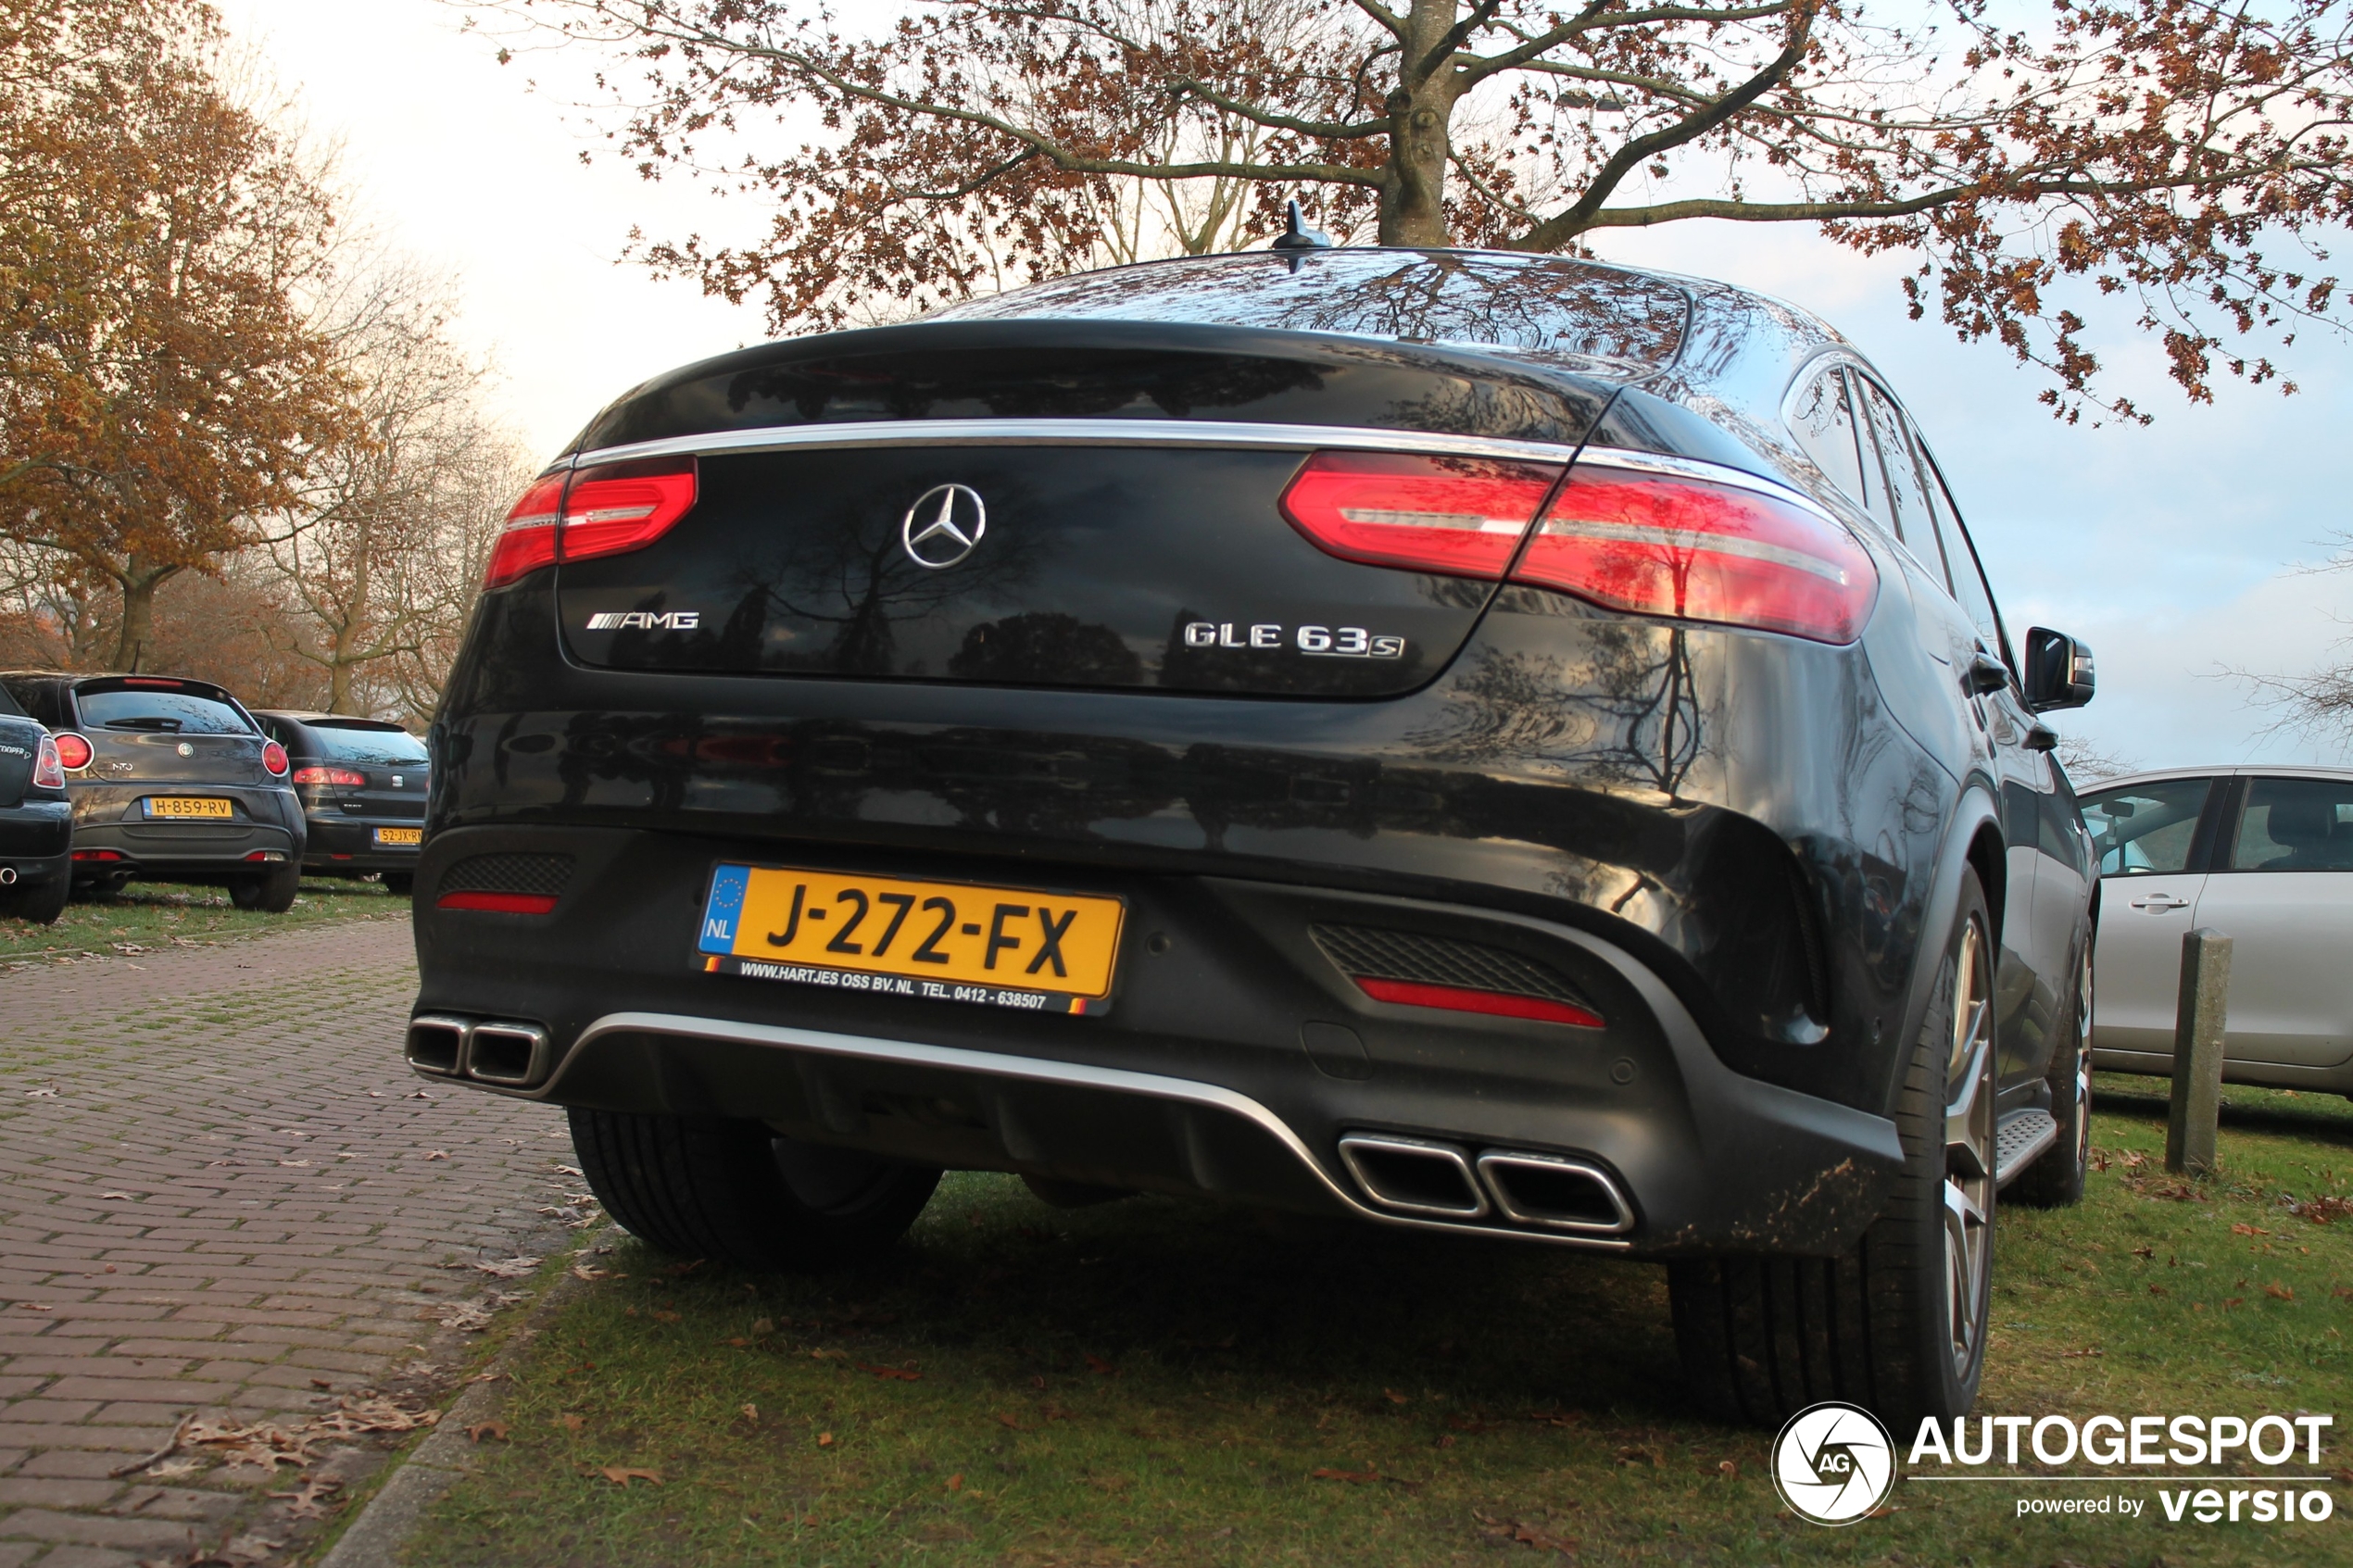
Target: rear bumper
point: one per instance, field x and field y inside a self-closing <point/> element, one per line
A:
<point x="340" y="844"/>
<point x="34" y="838"/>
<point x="184" y="849"/>
<point x="1199" y="1079"/>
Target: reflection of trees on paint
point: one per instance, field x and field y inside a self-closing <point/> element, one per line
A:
<point x="1047" y="646"/>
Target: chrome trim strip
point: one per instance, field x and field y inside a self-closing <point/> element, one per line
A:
<point x="1187" y="433"/>
<point x="1079" y="433"/>
<point x="1422" y="1147"/>
<point x="1030" y="1069"/>
<point x="1555" y="1162"/>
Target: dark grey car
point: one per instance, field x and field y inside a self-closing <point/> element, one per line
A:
<point x="362" y="782"/>
<point x="170" y="779"/>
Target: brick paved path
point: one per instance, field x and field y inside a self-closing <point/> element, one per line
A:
<point x="219" y="1193"/>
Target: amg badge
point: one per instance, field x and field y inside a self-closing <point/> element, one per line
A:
<point x="652" y="620"/>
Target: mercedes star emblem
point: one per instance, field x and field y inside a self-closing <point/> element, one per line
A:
<point x="944" y="526"/>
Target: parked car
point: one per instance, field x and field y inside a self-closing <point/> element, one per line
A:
<point x="170" y="779"/>
<point x="36" y="821"/>
<point x="362" y="782"/>
<point x="2264" y="855"/>
<point x="1493" y="745"/>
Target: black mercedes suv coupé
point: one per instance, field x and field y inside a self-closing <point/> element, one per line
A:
<point x="1500" y="745"/>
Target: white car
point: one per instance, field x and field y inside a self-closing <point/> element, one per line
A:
<point x="2265" y="856"/>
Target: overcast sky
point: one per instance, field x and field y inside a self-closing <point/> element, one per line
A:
<point x="2173" y="549"/>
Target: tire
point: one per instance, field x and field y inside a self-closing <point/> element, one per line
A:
<point x="1764" y="1337"/>
<point x="732" y="1190"/>
<point x="2055" y="1179"/>
<point x="41" y="905"/>
<point x="273" y="893"/>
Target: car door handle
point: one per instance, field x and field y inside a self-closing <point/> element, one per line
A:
<point x="2160" y="903"/>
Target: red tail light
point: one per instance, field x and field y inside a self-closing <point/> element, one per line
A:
<point x="274" y="757"/>
<point x="73" y="752"/>
<point x="1495" y="1003"/>
<point x="48" y="771"/>
<point x="528" y="542"/>
<point x="616" y="507"/>
<point x="1698" y="551"/>
<point x="1462" y="517"/>
<point x="499" y="903"/>
<point x="329" y="776"/>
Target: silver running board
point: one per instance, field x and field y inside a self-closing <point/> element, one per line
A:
<point x="2023" y="1135"/>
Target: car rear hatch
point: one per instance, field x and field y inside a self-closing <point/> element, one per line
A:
<point x="371" y="769"/>
<point x="1073" y="504"/>
<point x="157" y="730"/>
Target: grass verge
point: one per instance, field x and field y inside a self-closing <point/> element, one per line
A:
<point x="1150" y="1382"/>
<point x="149" y="915"/>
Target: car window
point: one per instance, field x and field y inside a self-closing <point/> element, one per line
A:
<point x="1823" y="420"/>
<point x="2145" y="830"/>
<point x="2295" y="825"/>
<point x="34" y="699"/>
<point x="1960" y="557"/>
<point x="1904" y="507"/>
<point x="9" y="704"/>
<point x="370" y="743"/>
<point x="178" y="712"/>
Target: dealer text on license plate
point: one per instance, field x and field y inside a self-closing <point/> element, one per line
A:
<point x="189" y="805"/>
<point x="399" y="838"/>
<point x="950" y="941"/>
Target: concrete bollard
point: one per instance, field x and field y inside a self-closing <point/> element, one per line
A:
<point x="2199" y="1019"/>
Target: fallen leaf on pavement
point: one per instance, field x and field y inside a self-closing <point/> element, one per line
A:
<point x="310" y="1502"/>
<point x="589" y="1271"/>
<point x="507" y="1268"/>
<point x="429" y="1154"/>
<point x="495" y="1430"/>
<point x="123" y="1195"/>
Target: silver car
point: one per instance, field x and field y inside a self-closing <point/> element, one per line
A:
<point x="2264" y="855"/>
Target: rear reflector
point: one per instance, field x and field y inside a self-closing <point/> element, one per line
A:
<point x="97" y="854"/>
<point x="616" y="507"/>
<point x="1698" y="551"/>
<point x="1460" y="516"/>
<point x="267" y="855"/>
<point x="1456" y="999"/>
<point x="529" y="540"/>
<point x="499" y="903"/>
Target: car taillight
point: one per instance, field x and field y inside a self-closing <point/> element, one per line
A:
<point x="274" y="757"/>
<point x="329" y="776"/>
<point x="48" y="768"/>
<point x="1494" y="1004"/>
<point x="1698" y="551"/>
<point x="1461" y="517"/>
<point x="615" y="508"/>
<point x="73" y="752"/>
<point x="528" y="542"/>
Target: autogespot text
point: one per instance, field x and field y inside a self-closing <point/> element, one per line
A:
<point x="2170" y="1444"/>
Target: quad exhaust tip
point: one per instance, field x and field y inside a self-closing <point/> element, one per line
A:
<point x="511" y="1054"/>
<point x="1442" y="1180"/>
<point x="7" y="876"/>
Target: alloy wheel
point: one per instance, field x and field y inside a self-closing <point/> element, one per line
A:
<point x="1969" y="1150"/>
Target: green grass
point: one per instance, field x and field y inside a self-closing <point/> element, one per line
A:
<point x="155" y="915"/>
<point x="1155" y="1382"/>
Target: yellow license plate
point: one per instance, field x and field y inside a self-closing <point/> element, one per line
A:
<point x="402" y="838"/>
<point x="189" y="805"/>
<point x="949" y="941"/>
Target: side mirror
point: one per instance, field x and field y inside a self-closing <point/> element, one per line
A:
<point x="2059" y="670"/>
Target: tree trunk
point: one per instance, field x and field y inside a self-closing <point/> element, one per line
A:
<point x="1421" y="113"/>
<point x="139" y="584"/>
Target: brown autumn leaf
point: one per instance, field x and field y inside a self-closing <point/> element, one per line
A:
<point x="750" y="1412"/>
<point x="1395" y="1398"/>
<point x="738" y="1342"/>
<point x="2079" y="1355"/>
<point x="429" y="1154"/>
<point x="956" y="1482"/>
<point x="495" y="1430"/>
<point x="761" y="1326"/>
<point x="1726" y="1467"/>
<point x="2234" y="1301"/>
<point x="663" y="1314"/>
<point x="567" y="1420"/>
<point x="1099" y="1366"/>
<point x="1007" y="1419"/>
<point x="621" y="1476"/>
<point x="890" y="1373"/>
<point x="825" y="1439"/>
<point x="1367" y="1473"/>
<point x="2279" y="1292"/>
<point x="2248" y="1230"/>
<point x="589" y="1272"/>
<point x="2156" y="1290"/>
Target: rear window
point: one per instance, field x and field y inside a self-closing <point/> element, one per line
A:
<point x="181" y="712"/>
<point x="2295" y="825"/>
<point x="1541" y="304"/>
<point x="365" y="743"/>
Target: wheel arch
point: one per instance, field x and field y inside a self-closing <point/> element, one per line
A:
<point x="1973" y="843"/>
